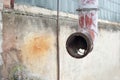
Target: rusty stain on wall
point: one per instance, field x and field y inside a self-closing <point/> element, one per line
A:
<point x="35" y="50"/>
<point x="36" y="44"/>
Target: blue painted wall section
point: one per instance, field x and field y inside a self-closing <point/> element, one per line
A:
<point x="109" y="9"/>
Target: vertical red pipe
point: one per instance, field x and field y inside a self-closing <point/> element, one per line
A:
<point x="12" y="4"/>
<point x="88" y="16"/>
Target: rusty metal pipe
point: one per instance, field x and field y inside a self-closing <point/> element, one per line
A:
<point x="57" y="39"/>
<point x="81" y="43"/>
<point x="12" y="4"/>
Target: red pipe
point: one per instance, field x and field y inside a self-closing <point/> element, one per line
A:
<point x="88" y="21"/>
<point x="79" y="44"/>
<point x="88" y="16"/>
<point x="12" y="4"/>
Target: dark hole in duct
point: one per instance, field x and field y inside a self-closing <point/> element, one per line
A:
<point x="78" y="45"/>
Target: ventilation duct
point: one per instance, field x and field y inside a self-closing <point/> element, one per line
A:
<point x="80" y="43"/>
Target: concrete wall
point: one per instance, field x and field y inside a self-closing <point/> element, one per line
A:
<point x="29" y="44"/>
<point x="29" y="49"/>
<point x="103" y="63"/>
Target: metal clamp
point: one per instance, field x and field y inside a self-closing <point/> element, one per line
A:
<point x="87" y="9"/>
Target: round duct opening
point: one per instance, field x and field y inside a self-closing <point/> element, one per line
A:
<point x="79" y="44"/>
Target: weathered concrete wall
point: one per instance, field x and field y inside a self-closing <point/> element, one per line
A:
<point x="29" y="44"/>
<point x="103" y="63"/>
<point x="29" y="49"/>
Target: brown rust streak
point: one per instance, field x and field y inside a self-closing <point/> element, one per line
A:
<point x="35" y="51"/>
<point x="37" y="45"/>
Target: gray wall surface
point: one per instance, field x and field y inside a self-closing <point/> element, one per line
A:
<point x="103" y="63"/>
<point x="29" y="46"/>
